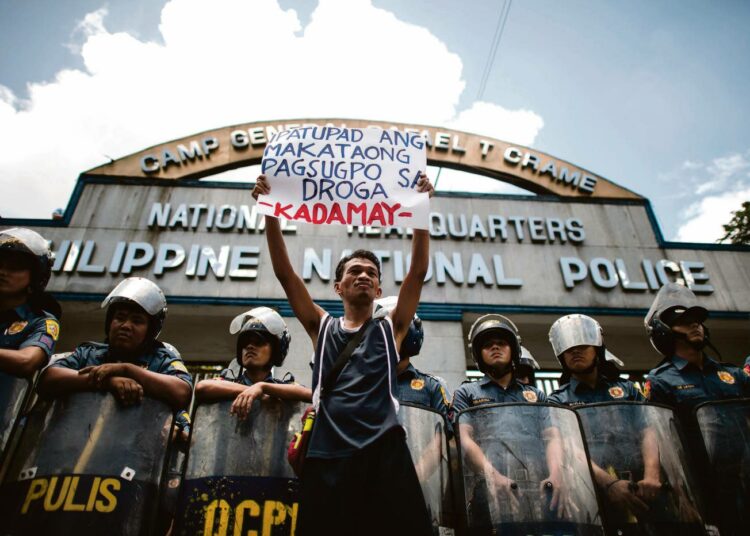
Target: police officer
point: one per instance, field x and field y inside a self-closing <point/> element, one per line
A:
<point x="588" y="377"/>
<point x="131" y="362"/>
<point x="687" y="376"/>
<point x="495" y="346"/>
<point x="262" y="343"/>
<point x="412" y="385"/>
<point x="28" y="324"/>
<point x="527" y="367"/>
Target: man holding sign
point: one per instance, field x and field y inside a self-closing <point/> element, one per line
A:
<point x="358" y="476"/>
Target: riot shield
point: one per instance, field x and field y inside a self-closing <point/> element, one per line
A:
<point x="86" y="465"/>
<point x="525" y="471"/>
<point x="639" y="464"/>
<point x="13" y="392"/>
<point x="237" y="478"/>
<point x="725" y="429"/>
<point x="428" y="444"/>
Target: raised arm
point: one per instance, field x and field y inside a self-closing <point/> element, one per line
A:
<point x="305" y="309"/>
<point x="411" y="288"/>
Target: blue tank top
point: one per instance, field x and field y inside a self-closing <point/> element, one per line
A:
<point x="360" y="407"/>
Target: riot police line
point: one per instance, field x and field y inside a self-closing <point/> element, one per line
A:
<point x="108" y="446"/>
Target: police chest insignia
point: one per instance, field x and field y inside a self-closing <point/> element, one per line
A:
<point x="530" y="396"/>
<point x="616" y="392"/>
<point x="417" y="384"/>
<point x="53" y="328"/>
<point x="16" y="327"/>
<point x="478" y="401"/>
<point x="726" y="377"/>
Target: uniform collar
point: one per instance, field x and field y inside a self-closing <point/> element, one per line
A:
<point x="24" y="311"/>
<point x="513" y="383"/>
<point x="681" y="363"/>
<point x="248" y="381"/>
<point x="409" y="371"/>
<point x="575" y="384"/>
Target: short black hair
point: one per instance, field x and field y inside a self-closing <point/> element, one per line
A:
<point x="357" y="254"/>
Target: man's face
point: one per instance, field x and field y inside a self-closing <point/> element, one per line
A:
<point x="691" y="329"/>
<point x="579" y="358"/>
<point x="496" y="351"/>
<point x="359" y="282"/>
<point x="128" y="328"/>
<point x="256" y="351"/>
<point x="15" y="273"/>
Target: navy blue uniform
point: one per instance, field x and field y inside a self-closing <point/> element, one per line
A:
<point x="575" y="393"/>
<point x="159" y="359"/>
<point x="23" y="327"/>
<point x="682" y="385"/>
<point x="229" y="375"/>
<point x="416" y="387"/>
<point x="486" y="391"/>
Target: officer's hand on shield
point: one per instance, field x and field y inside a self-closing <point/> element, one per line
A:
<point x="244" y="401"/>
<point x="98" y="374"/>
<point x="560" y="500"/>
<point x="505" y="488"/>
<point x="126" y="390"/>
<point x="648" y="489"/>
<point x="261" y="187"/>
<point x="621" y="493"/>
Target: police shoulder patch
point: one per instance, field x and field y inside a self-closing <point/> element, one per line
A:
<point x="417" y="384"/>
<point x="616" y="392"/>
<point x="179" y="365"/>
<point x="726" y="377"/>
<point x="530" y="396"/>
<point x="53" y="328"/>
<point x="16" y="327"/>
<point x="647" y="389"/>
<point x="746" y="369"/>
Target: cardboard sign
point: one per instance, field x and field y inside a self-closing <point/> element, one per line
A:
<point x="347" y="176"/>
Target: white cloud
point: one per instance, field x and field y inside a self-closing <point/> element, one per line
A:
<point x="706" y="217"/>
<point x="222" y="63"/>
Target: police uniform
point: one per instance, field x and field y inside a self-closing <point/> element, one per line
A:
<point x="158" y="359"/>
<point x="682" y="385"/>
<point x="415" y="387"/>
<point x="487" y="391"/>
<point x="575" y="393"/>
<point x="230" y="375"/>
<point x="23" y="327"/>
<point x="746" y="368"/>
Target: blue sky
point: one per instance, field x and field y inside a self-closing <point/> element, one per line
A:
<point x="652" y="95"/>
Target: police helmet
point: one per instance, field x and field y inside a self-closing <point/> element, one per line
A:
<point x="576" y="330"/>
<point x="485" y="326"/>
<point x="143" y="293"/>
<point x="527" y="360"/>
<point x="267" y="322"/>
<point x="32" y="245"/>
<point x="412" y="343"/>
<point x="673" y="302"/>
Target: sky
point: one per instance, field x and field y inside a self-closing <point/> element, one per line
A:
<point x="651" y="95"/>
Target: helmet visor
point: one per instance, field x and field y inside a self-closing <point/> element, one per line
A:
<point x="141" y="291"/>
<point x="574" y="330"/>
<point x="270" y="319"/>
<point x="671" y="302"/>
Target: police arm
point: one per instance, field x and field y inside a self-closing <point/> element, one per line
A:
<point x="169" y="389"/>
<point x="411" y="289"/>
<point x="22" y="363"/>
<point x="561" y="500"/>
<point x="211" y="390"/>
<point x="305" y="309"/>
<point x="650" y="486"/>
<point x="60" y="381"/>
<point x="481" y="465"/>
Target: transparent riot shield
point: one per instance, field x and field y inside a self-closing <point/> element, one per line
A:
<point x="86" y="465"/>
<point x="237" y="478"/>
<point x="525" y="472"/>
<point x="13" y="393"/>
<point x="725" y="429"/>
<point x="639" y="464"/>
<point x="428" y="443"/>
